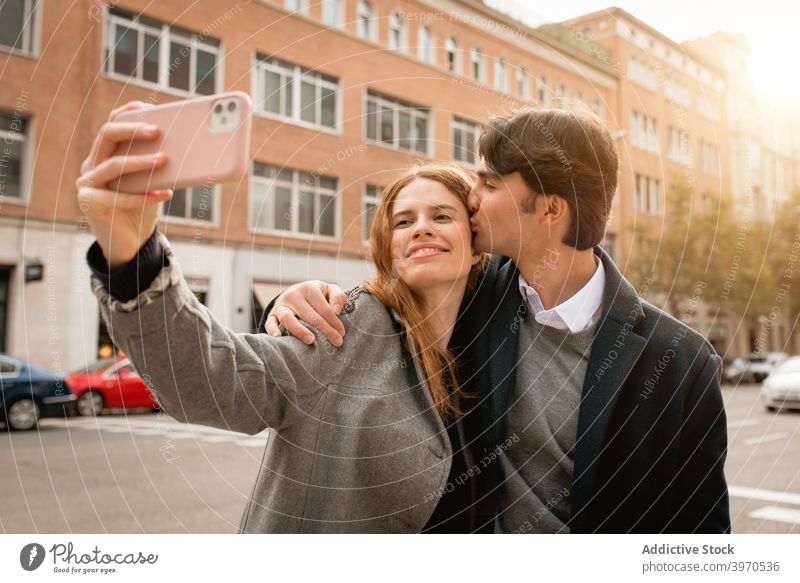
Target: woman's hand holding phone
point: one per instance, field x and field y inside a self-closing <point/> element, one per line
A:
<point x="121" y="222"/>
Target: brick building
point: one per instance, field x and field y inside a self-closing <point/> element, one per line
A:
<point x="346" y="92"/>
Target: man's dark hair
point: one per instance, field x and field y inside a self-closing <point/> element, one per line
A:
<point x="566" y="153"/>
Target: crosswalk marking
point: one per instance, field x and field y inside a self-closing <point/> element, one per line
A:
<point x="743" y="423"/>
<point x="765" y="495"/>
<point x="764" y="438"/>
<point x="166" y="427"/>
<point x="777" y="514"/>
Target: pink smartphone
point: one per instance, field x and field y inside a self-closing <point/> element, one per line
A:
<point x="207" y="141"/>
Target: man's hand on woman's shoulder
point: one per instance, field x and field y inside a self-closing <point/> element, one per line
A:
<point x="315" y="302"/>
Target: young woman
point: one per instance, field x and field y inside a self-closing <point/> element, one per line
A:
<point x="359" y="442"/>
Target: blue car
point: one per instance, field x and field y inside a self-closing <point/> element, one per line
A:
<point x="29" y="393"/>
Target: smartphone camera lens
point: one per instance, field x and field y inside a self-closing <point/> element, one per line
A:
<point x="218" y="108"/>
<point x="232" y="106"/>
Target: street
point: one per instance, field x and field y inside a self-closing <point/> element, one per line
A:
<point x="147" y="473"/>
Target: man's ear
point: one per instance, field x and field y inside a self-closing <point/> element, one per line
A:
<point x="556" y="208"/>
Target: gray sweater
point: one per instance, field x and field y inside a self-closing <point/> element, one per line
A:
<point x="357" y="446"/>
<point x="543" y="423"/>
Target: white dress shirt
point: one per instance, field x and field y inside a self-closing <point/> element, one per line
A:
<point x="576" y="313"/>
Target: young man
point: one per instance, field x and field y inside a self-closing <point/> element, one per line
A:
<point x="595" y="411"/>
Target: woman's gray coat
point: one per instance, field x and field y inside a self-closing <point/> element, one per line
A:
<point x="357" y="444"/>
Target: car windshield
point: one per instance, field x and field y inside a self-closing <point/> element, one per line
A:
<point x="96" y="366"/>
<point x="789" y="366"/>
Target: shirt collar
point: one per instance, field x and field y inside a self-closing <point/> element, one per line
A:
<point x="576" y="313"/>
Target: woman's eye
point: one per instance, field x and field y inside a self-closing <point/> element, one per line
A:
<point x="401" y="223"/>
<point x="442" y="217"/>
<point x="490" y="186"/>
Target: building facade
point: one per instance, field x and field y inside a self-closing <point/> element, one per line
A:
<point x="345" y="93"/>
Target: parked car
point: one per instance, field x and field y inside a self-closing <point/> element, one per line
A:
<point x="109" y="383"/>
<point x="781" y="390"/>
<point x="754" y="369"/>
<point x="30" y="393"/>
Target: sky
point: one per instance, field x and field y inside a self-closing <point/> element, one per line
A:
<point x="770" y="25"/>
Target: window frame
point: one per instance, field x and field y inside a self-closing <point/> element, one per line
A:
<point x="465" y="126"/>
<point x="451" y="44"/>
<point x="302" y="6"/>
<point x="500" y="81"/>
<point x="26" y="166"/>
<point x="542" y="88"/>
<point x="476" y="57"/>
<point x="366" y="198"/>
<point x="426" y="52"/>
<point x="338" y="11"/>
<point x="165" y="37"/>
<point x="396" y="104"/>
<point x="297" y="76"/>
<point x="395" y="18"/>
<point x="365" y="8"/>
<point x="187" y="220"/>
<point x="523" y="84"/>
<point x="294" y="232"/>
<point x="31" y="36"/>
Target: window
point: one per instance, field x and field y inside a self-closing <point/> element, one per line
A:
<point x="597" y="108"/>
<point x="642" y="74"/>
<point x="426" y="45"/>
<point x="677" y="93"/>
<point x="523" y="85"/>
<point x="453" y="55"/>
<point x="500" y="76"/>
<point x="465" y="138"/>
<point x="544" y="90"/>
<point x="289" y="200"/>
<point x="9" y="366"/>
<point x="372" y="198"/>
<point x="13" y="157"/>
<point x="396" y="123"/>
<point x="126" y="369"/>
<point x="655" y="197"/>
<point x="365" y="23"/>
<point x="647" y="197"/>
<point x="679" y="147"/>
<point x="333" y="12"/>
<point x="644" y="132"/>
<point x="296" y="5"/>
<point x="579" y="100"/>
<point x="153" y="53"/>
<point x="478" y="70"/>
<point x="561" y="96"/>
<point x="193" y="204"/>
<point x="397" y="33"/>
<point x="296" y="93"/>
<point x="709" y="158"/>
<point x="17" y="21"/>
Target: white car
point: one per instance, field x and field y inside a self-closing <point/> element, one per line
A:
<point x="753" y="370"/>
<point x="781" y="390"/>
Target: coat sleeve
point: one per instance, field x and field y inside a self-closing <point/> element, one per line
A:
<point x="202" y="372"/>
<point x="701" y="489"/>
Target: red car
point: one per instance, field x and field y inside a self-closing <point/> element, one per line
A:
<point x="110" y="383"/>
